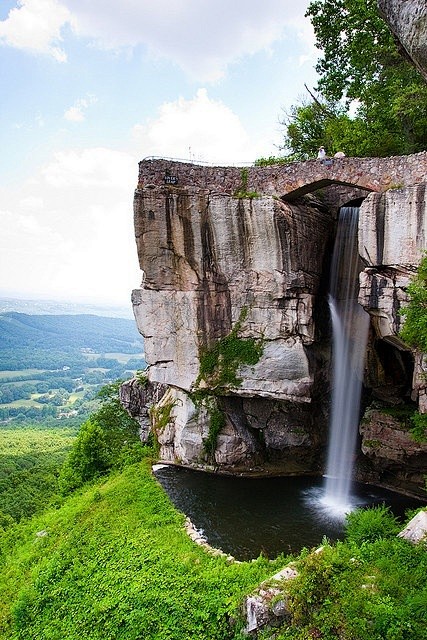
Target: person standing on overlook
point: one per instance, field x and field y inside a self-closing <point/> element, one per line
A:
<point x="321" y="155"/>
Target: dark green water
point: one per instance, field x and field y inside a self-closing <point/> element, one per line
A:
<point x="249" y="516"/>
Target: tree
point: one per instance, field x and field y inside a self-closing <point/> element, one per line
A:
<point x="316" y="123"/>
<point x="109" y="439"/>
<point x="360" y="65"/>
<point x="89" y="457"/>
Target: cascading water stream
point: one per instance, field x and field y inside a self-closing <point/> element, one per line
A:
<point x="350" y="328"/>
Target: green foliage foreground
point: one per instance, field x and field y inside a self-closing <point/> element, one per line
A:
<point x="114" y="562"/>
<point x="370" y="587"/>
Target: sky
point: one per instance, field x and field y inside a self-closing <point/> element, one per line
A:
<point x="91" y="87"/>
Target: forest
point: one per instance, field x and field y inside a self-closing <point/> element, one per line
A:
<point x="51" y="366"/>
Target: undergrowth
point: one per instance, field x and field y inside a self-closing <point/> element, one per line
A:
<point x="372" y="586"/>
<point x="115" y="562"/>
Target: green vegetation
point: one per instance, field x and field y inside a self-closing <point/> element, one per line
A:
<point x="30" y="463"/>
<point x="60" y="376"/>
<point x="219" y="364"/>
<point x="243" y="191"/>
<point x="111" y="558"/>
<point x="414" y="332"/>
<point x="360" y="65"/>
<point x="216" y="424"/>
<point x="108" y="440"/>
<point x="266" y="162"/>
<point x="65" y="333"/>
<point x="115" y="562"/>
<point x="370" y="586"/>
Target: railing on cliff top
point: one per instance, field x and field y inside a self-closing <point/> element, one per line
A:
<point x="202" y="163"/>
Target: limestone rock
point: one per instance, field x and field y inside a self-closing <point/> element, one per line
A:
<point x="382" y="294"/>
<point x="137" y="398"/>
<point x="416" y="529"/>
<point x="180" y="428"/>
<point x="393" y="227"/>
<point x="408" y="21"/>
<point x="207" y="259"/>
<point x="217" y="267"/>
<point x="394" y="454"/>
<point x="268" y="604"/>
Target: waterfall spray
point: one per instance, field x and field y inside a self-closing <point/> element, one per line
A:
<point x="350" y="329"/>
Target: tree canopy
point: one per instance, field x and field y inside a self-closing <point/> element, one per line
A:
<point x="363" y="73"/>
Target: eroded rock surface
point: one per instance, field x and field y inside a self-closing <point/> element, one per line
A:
<point x="408" y="21"/>
<point x="212" y="262"/>
<point x="233" y="309"/>
<point x="399" y="461"/>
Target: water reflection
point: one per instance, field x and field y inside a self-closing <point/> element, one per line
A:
<point x="249" y="516"/>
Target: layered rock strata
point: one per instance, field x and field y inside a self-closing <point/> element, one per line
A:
<point x="233" y="309"/>
<point x="244" y="271"/>
<point x="392" y="239"/>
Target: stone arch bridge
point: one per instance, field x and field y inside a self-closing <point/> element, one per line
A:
<point x="291" y="180"/>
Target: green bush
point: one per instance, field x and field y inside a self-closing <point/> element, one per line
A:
<point x="108" y="440"/>
<point x="414" y="330"/>
<point x="419" y="430"/>
<point x="369" y="525"/>
<point x="89" y="457"/>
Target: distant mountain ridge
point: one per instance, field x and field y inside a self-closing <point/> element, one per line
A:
<point x="65" y="332"/>
<point x="56" y="307"/>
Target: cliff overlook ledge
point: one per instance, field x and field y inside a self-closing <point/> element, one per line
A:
<point x="233" y="306"/>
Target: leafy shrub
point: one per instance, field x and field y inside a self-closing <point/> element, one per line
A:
<point x="419" y="430"/>
<point x="109" y="439"/>
<point x="414" y="330"/>
<point x="369" y="525"/>
<point x="89" y="457"/>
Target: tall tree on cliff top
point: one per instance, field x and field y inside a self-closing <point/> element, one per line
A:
<point x="361" y="62"/>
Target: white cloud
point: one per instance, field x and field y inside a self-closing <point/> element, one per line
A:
<point x="68" y="231"/>
<point x="200" y="36"/>
<point x="35" y="26"/>
<point x="201" y="129"/>
<point x="76" y="113"/>
<point x="95" y="167"/>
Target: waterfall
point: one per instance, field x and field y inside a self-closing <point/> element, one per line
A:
<point x="350" y="328"/>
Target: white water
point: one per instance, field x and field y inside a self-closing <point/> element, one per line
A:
<point x="350" y="328"/>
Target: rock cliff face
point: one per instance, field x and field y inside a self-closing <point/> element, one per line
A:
<point x="392" y="238"/>
<point x="241" y="274"/>
<point x="233" y="309"/>
<point x="408" y="21"/>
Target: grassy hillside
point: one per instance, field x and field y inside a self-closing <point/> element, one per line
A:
<point x="114" y="562"/>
